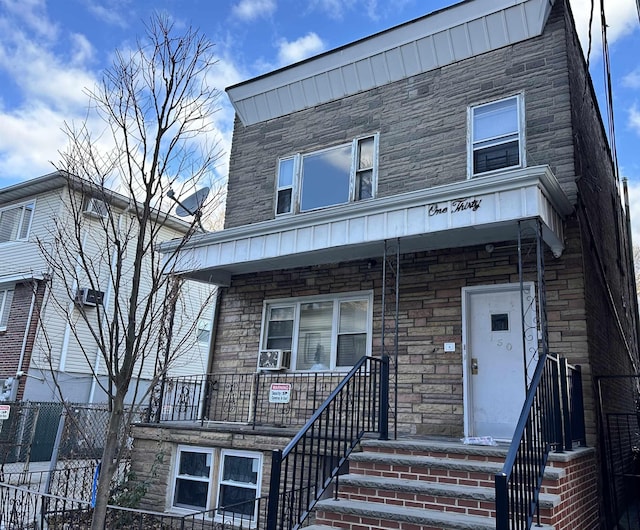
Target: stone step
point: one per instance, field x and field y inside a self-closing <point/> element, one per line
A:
<point x="352" y="515"/>
<point x="439" y="448"/>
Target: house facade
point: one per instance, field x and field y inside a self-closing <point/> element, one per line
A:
<point x="442" y="193"/>
<point x="42" y="336"/>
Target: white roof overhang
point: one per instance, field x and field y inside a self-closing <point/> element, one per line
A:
<point x="450" y="35"/>
<point x="471" y="212"/>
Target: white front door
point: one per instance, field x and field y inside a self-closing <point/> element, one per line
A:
<point x="494" y="358"/>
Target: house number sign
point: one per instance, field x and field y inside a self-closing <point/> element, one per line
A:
<point x="455" y="206"/>
<point x="280" y="393"/>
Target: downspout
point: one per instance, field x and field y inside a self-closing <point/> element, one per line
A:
<point x="214" y="327"/>
<point x="204" y="399"/>
<point x="23" y="349"/>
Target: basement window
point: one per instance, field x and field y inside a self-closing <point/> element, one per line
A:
<point x="192" y="478"/>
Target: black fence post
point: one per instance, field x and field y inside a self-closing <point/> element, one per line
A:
<point x="557" y="406"/>
<point x="384" y="398"/>
<point x="274" y="489"/>
<point x="577" y="407"/>
<point x="566" y="410"/>
<point x="502" y="502"/>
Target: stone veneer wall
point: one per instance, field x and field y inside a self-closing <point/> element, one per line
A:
<point x="430" y="397"/>
<point x="154" y="453"/>
<point x="422" y="123"/>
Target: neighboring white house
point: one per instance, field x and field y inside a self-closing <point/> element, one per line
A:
<point x="42" y="333"/>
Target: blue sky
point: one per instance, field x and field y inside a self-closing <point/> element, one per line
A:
<point x="50" y="50"/>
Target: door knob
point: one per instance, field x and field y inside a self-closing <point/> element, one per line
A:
<point x="474" y="366"/>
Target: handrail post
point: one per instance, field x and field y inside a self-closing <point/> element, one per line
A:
<point x="502" y="502"/>
<point x="577" y="404"/>
<point x="274" y="489"/>
<point x="384" y="398"/>
<point x="566" y="410"/>
<point x="557" y="406"/>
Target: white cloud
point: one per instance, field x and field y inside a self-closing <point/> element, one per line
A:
<point x="632" y="79"/>
<point x="294" y="51"/>
<point x="252" y="9"/>
<point x="634" y="120"/>
<point x="333" y="8"/>
<point x="621" y="16"/>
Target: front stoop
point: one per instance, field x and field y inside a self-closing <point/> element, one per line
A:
<point x="427" y="485"/>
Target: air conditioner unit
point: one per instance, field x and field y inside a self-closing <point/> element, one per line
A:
<point x="89" y="297"/>
<point x="95" y="208"/>
<point x="274" y="359"/>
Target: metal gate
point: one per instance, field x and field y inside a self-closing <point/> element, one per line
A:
<point x="619" y="419"/>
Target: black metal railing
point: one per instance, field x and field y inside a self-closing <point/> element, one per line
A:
<point x="243" y="398"/>
<point x="303" y="471"/>
<point x="22" y="507"/>
<point x="552" y="417"/>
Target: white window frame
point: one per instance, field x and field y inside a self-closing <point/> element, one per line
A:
<point x="355" y="171"/>
<point x="490" y="142"/>
<point x="244" y="454"/>
<point x="6" y="297"/>
<point x="176" y="475"/>
<point x="21" y="220"/>
<point x="297" y="302"/>
<point x="203" y="331"/>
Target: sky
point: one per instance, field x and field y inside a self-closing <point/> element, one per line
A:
<point x="52" y="51"/>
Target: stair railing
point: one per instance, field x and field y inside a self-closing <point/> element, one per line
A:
<point x="552" y="417"/>
<point x="303" y="471"/>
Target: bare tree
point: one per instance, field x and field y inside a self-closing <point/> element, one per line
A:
<point x="158" y="108"/>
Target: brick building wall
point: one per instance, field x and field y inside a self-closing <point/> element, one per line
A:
<point x="425" y="117"/>
<point x="21" y="316"/>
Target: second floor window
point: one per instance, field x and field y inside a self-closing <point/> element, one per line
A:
<point x="15" y="222"/>
<point x="497" y="136"/>
<point x="333" y="176"/>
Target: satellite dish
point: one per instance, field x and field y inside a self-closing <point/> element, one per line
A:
<point x="192" y="204"/>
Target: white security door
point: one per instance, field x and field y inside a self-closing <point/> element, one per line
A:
<point x="494" y="361"/>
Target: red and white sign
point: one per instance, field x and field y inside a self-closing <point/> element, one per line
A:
<point x="4" y="412"/>
<point x="280" y="393"/>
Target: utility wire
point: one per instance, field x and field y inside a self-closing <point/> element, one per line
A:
<point x="608" y="89"/>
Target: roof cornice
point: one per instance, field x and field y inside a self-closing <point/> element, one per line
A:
<point x="446" y="36"/>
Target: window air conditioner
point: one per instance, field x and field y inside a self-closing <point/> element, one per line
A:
<point x="89" y="297"/>
<point x="274" y="359"/>
<point x="95" y="208"/>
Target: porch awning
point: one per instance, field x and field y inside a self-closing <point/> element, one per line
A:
<point x="471" y="212"/>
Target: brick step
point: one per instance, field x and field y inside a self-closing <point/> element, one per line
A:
<point x="353" y="515"/>
<point x="429" y="468"/>
<point x="428" y="495"/>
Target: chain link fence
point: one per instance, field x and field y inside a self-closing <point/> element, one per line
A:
<point x="53" y="447"/>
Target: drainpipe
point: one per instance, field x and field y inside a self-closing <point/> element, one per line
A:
<point x="23" y="349"/>
<point x="204" y="399"/>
